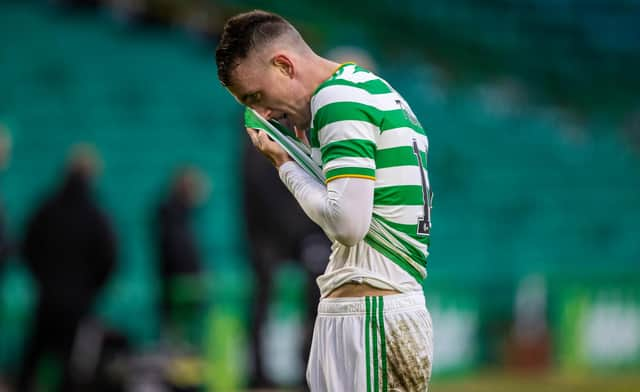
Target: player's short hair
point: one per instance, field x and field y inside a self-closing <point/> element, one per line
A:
<point x="244" y="32"/>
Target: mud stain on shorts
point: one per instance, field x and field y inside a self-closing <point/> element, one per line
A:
<point x="408" y="357"/>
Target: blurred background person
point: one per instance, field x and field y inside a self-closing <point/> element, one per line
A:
<point x="182" y="280"/>
<point x="5" y="243"/>
<point x="70" y="250"/>
<point x="277" y="231"/>
<point x="5" y="156"/>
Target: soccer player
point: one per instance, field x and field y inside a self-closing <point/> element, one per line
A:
<point x="373" y="331"/>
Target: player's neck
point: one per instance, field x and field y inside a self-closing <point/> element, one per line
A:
<point x="321" y="70"/>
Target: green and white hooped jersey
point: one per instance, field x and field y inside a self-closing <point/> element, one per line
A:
<point x="361" y="127"/>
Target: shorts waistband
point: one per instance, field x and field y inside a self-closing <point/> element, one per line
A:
<point x="358" y="306"/>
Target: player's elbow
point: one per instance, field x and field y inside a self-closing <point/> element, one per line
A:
<point x="348" y="219"/>
<point x="348" y="239"/>
<point x="352" y="232"/>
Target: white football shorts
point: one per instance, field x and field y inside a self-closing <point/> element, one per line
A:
<point x="371" y="344"/>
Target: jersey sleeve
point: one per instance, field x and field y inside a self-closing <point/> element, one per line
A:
<point x="346" y="135"/>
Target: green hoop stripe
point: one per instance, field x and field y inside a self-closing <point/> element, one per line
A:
<point x="408" y="195"/>
<point x="398" y="156"/>
<point x="350" y="172"/>
<point x="372" y="86"/>
<point x="348" y="148"/>
<point x="355" y="111"/>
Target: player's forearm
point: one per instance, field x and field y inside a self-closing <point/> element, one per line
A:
<point x="343" y="208"/>
<point x="312" y="196"/>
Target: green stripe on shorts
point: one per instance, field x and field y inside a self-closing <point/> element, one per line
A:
<point x="374" y="328"/>
<point x="375" y="345"/>
<point x="366" y="340"/>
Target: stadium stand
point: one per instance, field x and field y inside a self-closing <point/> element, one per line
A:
<point x="522" y="184"/>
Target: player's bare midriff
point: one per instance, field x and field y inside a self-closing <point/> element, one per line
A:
<point x="359" y="290"/>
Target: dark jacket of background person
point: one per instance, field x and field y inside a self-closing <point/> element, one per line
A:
<point x="278" y="230"/>
<point x="177" y="247"/>
<point x="181" y="270"/>
<point x="180" y="260"/>
<point x="70" y="250"/>
<point x="5" y="244"/>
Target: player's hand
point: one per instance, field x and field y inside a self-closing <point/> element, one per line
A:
<point x="272" y="150"/>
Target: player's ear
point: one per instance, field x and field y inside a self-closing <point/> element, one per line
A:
<point x="283" y="64"/>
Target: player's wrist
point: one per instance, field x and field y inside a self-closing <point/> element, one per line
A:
<point x="279" y="161"/>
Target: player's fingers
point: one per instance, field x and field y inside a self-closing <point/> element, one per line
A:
<point x="253" y="135"/>
<point x="263" y="140"/>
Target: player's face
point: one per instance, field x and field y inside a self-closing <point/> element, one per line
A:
<point x="272" y="89"/>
